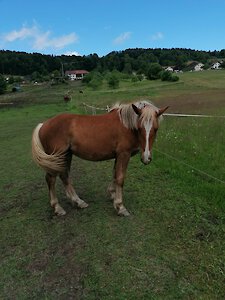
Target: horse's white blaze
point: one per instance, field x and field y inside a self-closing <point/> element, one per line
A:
<point x="147" y="154"/>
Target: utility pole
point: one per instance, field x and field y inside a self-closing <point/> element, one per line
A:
<point x="62" y="70"/>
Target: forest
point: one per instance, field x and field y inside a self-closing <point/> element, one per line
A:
<point x="128" y="61"/>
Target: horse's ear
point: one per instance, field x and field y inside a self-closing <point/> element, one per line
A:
<point x="136" y="109"/>
<point x="162" y="110"/>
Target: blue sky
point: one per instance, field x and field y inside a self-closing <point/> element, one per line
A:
<point x="101" y="26"/>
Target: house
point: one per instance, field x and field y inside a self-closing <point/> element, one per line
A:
<point x="216" y="66"/>
<point x="76" y="74"/>
<point x="170" y="69"/>
<point x="198" y="67"/>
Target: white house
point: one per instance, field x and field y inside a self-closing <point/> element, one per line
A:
<point x="170" y="69"/>
<point x="216" y="66"/>
<point x="199" y="67"/>
<point x="76" y="74"/>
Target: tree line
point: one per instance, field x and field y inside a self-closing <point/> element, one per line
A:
<point x="128" y="61"/>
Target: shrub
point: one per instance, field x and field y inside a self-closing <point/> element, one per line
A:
<point x="154" y="71"/>
<point x="166" y="76"/>
<point x="95" y="83"/>
<point x="175" y="78"/>
<point x="134" y="78"/>
<point x="11" y="80"/>
<point x="140" y="77"/>
<point x="3" y="84"/>
<point x="93" y="80"/>
<point x="87" y="78"/>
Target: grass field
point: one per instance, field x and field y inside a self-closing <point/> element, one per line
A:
<point x="172" y="246"/>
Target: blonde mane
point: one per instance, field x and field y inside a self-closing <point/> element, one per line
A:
<point x="128" y="116"/>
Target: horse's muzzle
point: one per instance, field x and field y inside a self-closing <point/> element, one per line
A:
<point x="146" y="161"/>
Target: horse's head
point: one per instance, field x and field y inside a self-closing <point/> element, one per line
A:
<point x="148" y="124"/>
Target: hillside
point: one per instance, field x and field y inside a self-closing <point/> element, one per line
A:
<point x="138" y="60"/>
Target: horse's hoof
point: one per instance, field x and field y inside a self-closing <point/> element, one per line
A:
<point x="59" y="211"/>
<point x="82" y="204"/>
<point x="124" y="212"/>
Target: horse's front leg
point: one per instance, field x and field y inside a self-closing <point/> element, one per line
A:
<point x="112" y="186"/>
<point x="120" y="171"/>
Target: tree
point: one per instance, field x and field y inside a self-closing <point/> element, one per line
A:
<point x="36" y="76"/>
<point x="56" y="74"/>
<point x="222" y="65"/>
<point x="127" y="68"/>
<point x="3" y="84"/>
<point x="113" y="80"/>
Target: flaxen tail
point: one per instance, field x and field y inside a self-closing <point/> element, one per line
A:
<point x="54" y="163"/>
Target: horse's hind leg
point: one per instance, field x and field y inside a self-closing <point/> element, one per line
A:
<point x="51" y="179"/>
<point x="70" y="191"/>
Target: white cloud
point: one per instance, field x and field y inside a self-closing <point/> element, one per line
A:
<point x="70" y="53"/>
<point x="21" y="34"/>
<point x="40" y="40"/>
<point x="157" y="36"/>
<point x="122" y="38"/>
<point x="44" y="41"/>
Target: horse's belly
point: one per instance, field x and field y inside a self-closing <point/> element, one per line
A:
<point x="95" y="156"/>
<point x="93" y="153"/>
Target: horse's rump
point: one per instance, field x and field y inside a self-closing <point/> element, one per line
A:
<point x="52" y="163"/>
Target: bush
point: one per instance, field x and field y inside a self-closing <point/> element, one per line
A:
<point x="3" y="84"/>
<point x="175" y="78"/>
<point x="166" y="76"/>
<point x="140" y="77"/>
<point x="11" y="80"/>
<point x="93" y="80"/>
<point x="134" y="78"/>
<point x="87" y="78"/>
<point x="95" y="83"/>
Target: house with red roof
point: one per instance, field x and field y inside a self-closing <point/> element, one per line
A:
<point x="76" y="74"/>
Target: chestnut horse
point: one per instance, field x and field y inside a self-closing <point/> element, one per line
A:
<point x="118" y="134"/>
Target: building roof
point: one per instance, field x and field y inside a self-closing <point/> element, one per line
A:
<point x="76" y="72"/>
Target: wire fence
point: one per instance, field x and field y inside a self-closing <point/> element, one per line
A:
<point x="94" y="109"/>
<point x="189" y="166"/>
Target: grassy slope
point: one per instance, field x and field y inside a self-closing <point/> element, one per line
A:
<point x="173" y="245"/>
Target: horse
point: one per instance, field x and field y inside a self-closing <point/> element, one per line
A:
<point x="118" y="134"/>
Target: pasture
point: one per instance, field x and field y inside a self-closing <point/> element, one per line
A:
<point x="171" y="247"/>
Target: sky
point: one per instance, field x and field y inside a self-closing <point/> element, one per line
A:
<point x="84" y="27"/>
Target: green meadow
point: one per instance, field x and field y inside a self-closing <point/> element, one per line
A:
<point x="171" y="247"/>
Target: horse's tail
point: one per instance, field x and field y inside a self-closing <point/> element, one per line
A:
<point x="54" y="163"/>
